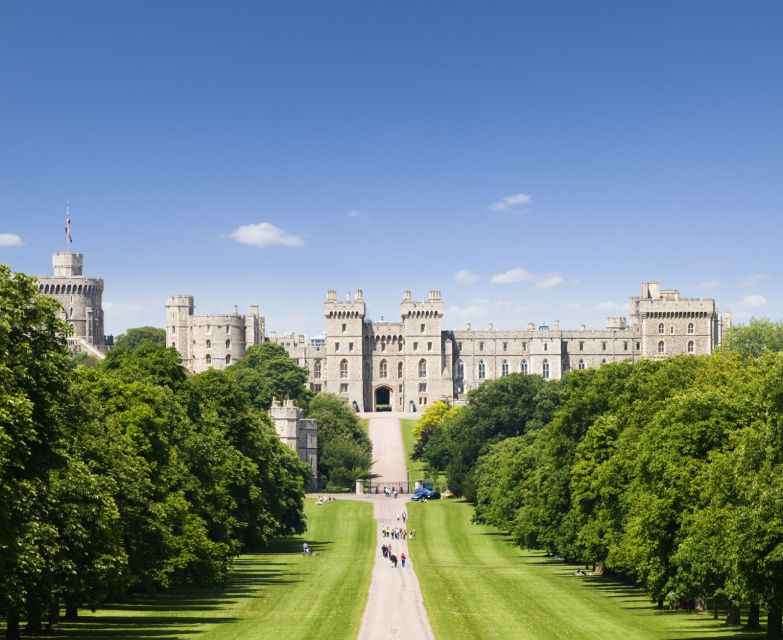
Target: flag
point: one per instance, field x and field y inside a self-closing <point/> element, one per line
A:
<point x="68" y="226"/>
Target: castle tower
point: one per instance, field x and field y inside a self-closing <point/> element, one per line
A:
<point x="179" y="310"/>
<point x="345" y="347"/>
<point x="81" y="299"/>
<point x="425" y="357"/>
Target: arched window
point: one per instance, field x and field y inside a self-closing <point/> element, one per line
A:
<point x="523" y="367"/>
<point x="228" y="359"/>
<point x="661" y="347"/>
<point x="545" y="369"/>
<point x="690" y="328"/>
<point x="209" y="344"/>
<point x="343" y="368"/>
<point x="661" y="328"/>
<point x="228" y="344"/>
<point x="581" y="365"/>
<point x="383" y="369"/>
<point x="422" y="368"/>
<point x="399" y="369"/>
<point x="317" y="369"/>
<point x="209" y="359"/>
<point x="482" y="370"/>
<point x="504" y="368"/>
<point x="690" y="346"/>
<point x="460" y="370"/>
<point x="603" y="361"/>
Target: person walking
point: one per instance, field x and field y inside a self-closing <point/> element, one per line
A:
<point x="305" y="548"/>
<point x="402" y="559"/>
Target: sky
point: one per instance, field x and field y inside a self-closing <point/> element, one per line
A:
<point x="534" y="161"/>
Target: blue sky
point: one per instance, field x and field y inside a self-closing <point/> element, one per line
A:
<point x="533" y="160"/>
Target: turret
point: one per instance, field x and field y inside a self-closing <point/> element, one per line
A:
<point x="179" y="309"/>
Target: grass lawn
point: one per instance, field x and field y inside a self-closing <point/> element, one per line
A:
<point x="477" y="585"/>
<point x="276" y="594"/>
<point x="416" y="467"/>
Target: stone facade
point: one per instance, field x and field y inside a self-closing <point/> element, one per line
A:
<point x="81" y="299"/>
<point x="210" y="341"/>
<point x="406" y="365"/>
<point x="300" y="435"/>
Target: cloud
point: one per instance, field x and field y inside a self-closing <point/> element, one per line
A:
<point x="609" y="306"/>
<point x="754" y="302"/>
<point x="550" y="281"/>
<point x="749" y="281"/>
<point x="465" y="277"/>
<point x="512" y="275"/>
<point x="355" y="214"/>
<point x="510" y="202"/>
<point x="265" y="234"/>
<point x="10" y="240"/>
<point x="709" y="284"/>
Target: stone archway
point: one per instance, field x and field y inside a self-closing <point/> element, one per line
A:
<point x="383" y="398"/>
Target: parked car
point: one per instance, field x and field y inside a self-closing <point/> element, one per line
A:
<point x="434" y="495"/>
<point x="446" y="494"/>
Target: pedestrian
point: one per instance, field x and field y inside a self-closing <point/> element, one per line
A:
<point x="404" y="516"/>
<point x="402" y="559"/>
<point x="305" y="548"/>
<point x="384" y="550"/>
<point x="393" y="559"/>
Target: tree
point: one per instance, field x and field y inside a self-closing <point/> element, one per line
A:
<point x="434" y="418"/>
<point x="266" y="371"/>
<point x="754" y="338"/>
<point x="147" y="361"/>
<point x="132" y="338"/>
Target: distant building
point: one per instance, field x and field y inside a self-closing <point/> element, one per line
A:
<point x="81" y="299"/>
<point x="210" y="341"/>
<point x="407" y="365"/>
<point x="301" y="435"/>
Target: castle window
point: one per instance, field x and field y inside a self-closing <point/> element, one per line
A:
<point x="690" y="346"/>
<point x="638" y="346"/>
<point x="399" y="370"/>
<point x="523" y="367"/>
<point x="209" y="359"/>
<point x="415" y="346"/>
<point x="317" y="388"/>
<point x="524" y="346"/>
<point x="481" y="346"/>
<point x="545" y="369"/>
<point x="565" y="345"/>
<point x="343" y="368"/>
<point x="422" y="368"/>
<point x="459" y="346"/>
<point x="603" y="361"/>
<point x="209" y="328"/>
<point x="603" y="346"/>
<point x="581" y="346"/>
<point x="228" y="344"/>
<point x="383" y="346"/>
<point x="581" y="365"/>
<point x="546" y="346"/>
<point x="460" y="370"/>
<point x="173" y="329"/>
<point x="429" y="346"/>
<point x="209" y="344"/>
<point x="671" y="329"/>
<point x="383" y="369"/>
<point x="482" y="370"/>
<point x="423" y="328"/>
<point x="505" y="346"/>
<point x="625" y="346"/>
<point x="228" y="359"/>
<point x="317" y="369"/>
<point x="690" y="328"/>
<point x="173" y="344"/>
<point x="661" y="328"/>
<point x="336" y="346"/>
<point x="422" y="387"/>
<point x="661" y="347"/>
<point x="399" y="346"/>
<point x="504" y="368"/>
<point x="228" y="329"/>
<point x="345" y="327"/>
<point x="350" y="347"/>
<point x="71" y="313"/>
<point x="343" y="387"/>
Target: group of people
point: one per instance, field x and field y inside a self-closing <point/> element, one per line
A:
<point x="322" y="499"/>
<point x="390" y="492"/>
<point x="387" y="553"/>
<point x="398" y="533"/>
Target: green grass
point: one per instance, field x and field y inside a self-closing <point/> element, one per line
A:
<point x="276" y="594"/>
<point x="477" y="585"/>
<point x="417" y="471"/>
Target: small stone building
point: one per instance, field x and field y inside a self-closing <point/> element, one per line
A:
<point x="298" y="433"/>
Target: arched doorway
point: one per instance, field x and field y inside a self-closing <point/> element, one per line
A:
<point x="383" y="399"/>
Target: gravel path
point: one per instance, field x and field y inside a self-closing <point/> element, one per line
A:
<point x="394" y="607"/>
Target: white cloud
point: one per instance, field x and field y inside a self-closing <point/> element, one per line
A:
<point x="355" y="214"/>
<point x="709" y="284"/>
<point x="749" y="281"/>
<point x="609" y="306"/>
<point x="265" y="234"/>
<point x="510" y="202"/>
<point x="465" y="277"/>
<point x="512" y="275"/>
<point x="550" y="281"/>
<point x="10" y="240"/>
<point x="754" y="301"/>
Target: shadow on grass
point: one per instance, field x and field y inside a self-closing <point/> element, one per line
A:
<point x="135" y="617"/>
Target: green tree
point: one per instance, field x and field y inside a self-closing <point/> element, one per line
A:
<point x="132" y="338"/>
<point x="754" y="338"/>
<point x="434" y="418"/>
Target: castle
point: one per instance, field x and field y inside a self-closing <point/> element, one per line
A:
<point x="406" y="365"/>
<point x="298" y="433"/>
<point x="82" y="301"/>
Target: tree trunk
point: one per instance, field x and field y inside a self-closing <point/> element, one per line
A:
<point x="34" y="614"/>
<point x="733" y="615"/>
<point x="54" y="615"/>
<point x="774" y="620"/>
<point x="12" y="625"/>
<point x="754" y="616"/>
<point x="71" y="611"/>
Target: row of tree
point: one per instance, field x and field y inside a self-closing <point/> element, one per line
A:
<point x="667" y="472"/>
<point x="132" y="475"/>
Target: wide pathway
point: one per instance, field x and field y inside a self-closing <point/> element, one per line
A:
<point x="394" y="607"/>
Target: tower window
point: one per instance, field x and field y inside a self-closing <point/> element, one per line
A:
<point x="228" y="344"/>
<point x="345" y="327"/>
<point x="482" y="370"/>
<point x="399" y="371"/>
<point x="383" y="369"/>
<point x="209" y="359"/>
<point x="661" y="347"/>
<point x="505" y="346"/>
<point x="523" y="367"/>
<point x="545" y="369"/>
<point x="228" y="359"/>
<point x="481" y="346"/>
<point x="423" y="328"/>
<point x="581" y="365"/>
<point x="343" y="368"/>
<point x="422" y="368"/>
<point x="690" y="328"/>
<point x="317" y="369"/>
<point x="460" y="370"/>
<point x="209" y="344"/>
<point x="504" y="368"/>
<point x="690" y="346"/>
<point x="661" y="328"/>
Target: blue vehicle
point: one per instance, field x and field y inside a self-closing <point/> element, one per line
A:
<point x="422" y="493"/>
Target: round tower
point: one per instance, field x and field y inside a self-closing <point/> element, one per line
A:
<point x="179" y="310"/>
